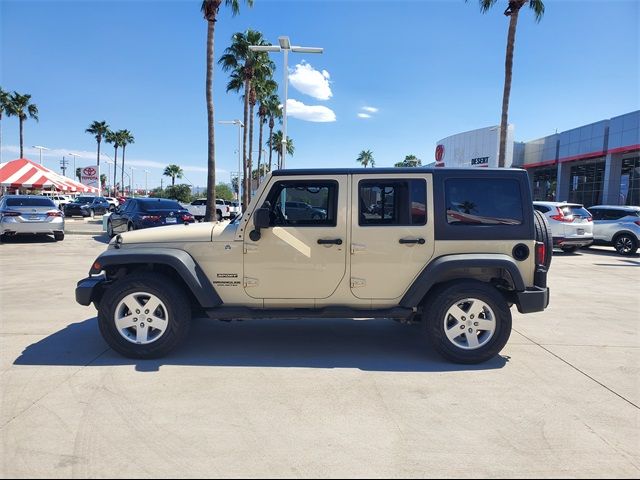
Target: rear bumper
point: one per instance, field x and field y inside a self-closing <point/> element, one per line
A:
<point x="580" y="241"/>
<point x="26" y="228"/>
<point x="534" y="299"/>
<point x="88" y="289"/>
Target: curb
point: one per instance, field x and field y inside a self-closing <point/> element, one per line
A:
<point x="84" y="232"/>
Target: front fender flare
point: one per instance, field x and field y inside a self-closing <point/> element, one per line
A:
<point x="179" y="260"/>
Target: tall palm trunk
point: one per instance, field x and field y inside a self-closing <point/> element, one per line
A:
<point x="173" y="180"/>
<point x="115" y="166"/>
<point x="247" y="176"/>
<point x="0" y="136"/>
<point x="251" y="105"/>
<point x="508" y="73"/>
<point x="21" y="137"/>
<point x="259" y="147"/>
<point x="271" y="125"/>
<point x="98" y="164"/>
<point x="210" y="211"/>
<point x="122" y="172"/>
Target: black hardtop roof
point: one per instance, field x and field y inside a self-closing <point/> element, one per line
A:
<point x="392" y="170"/>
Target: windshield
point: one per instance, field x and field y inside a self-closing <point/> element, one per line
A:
<point x="160" y="204"/>
<point x="84" y="199"/>
<point x="29" y="202"/>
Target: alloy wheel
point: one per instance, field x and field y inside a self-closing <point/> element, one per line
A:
<point x="470" y="323"/>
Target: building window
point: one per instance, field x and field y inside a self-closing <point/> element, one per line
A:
<point x="630" y="182"/>
<point x="586" y="182"/>
<point x="544" y="184"/>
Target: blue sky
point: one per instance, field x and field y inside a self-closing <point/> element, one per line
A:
<point x="429" y="68"/>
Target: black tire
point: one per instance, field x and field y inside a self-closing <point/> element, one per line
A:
<point x="219" y="216"/>
<point x="58" y="236"/>
<point x="543" y="234"/>
<point x="569" y="249"/>
<point x="130" y="227"/>
<point x="442" y="298"/>
<point x="178" y="315"/>
<point x="92" y="213"/>
<point x="110" y="229"/>
<point x="625" y="244"/>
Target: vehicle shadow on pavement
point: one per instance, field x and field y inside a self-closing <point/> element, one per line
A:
<point x="102" y="238"/>
<point x="28" y="239"/>
<point x="370" y="345"/>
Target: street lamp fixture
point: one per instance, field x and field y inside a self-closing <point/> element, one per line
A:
<point x="285" y="47"/>
<point x="41" y="148"/>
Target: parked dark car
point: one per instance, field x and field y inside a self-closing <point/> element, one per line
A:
<point x="87" y="206"/>
<point x="139" y="213"/>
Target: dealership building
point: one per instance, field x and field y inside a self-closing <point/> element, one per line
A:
<point x="592" y="164"/>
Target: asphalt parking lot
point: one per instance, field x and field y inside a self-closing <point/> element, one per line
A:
<point x="317" y="398"/>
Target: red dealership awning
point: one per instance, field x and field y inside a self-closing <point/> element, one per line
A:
<point x="24" y="173"/>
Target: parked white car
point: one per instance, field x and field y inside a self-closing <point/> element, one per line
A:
<point x="61" y="200"/>
<point x="113" y="202"/>
<point x="198" y="207"/>
<point x="618" y="226"/>
<point x="571" y="224"/>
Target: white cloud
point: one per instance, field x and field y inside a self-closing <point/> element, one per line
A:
<point x="364" y="115"/>
<point x="370" y="109"/>
<point x="309" y="113"/>
<point x="310" y="81"/>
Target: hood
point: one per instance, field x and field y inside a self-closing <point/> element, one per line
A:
<point x="193" y="232"/>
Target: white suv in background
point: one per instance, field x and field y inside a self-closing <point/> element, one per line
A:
<point x="571" y="224"/>
<point x="618" y="226"/>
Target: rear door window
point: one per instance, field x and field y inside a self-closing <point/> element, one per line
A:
<point x="392" y="202"/>
<point x="484" y="201"/>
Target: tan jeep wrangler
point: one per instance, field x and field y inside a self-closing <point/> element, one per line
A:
<point x="451" y="248"/>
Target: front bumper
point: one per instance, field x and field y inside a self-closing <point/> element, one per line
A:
<point x="89" y="289"/>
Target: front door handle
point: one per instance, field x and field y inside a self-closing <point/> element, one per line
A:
<point x="405" y="241"/>
<point x="333" y="241"/>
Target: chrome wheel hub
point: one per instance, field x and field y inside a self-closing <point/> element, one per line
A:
<point x="469" y="324"/>
<point x="141" y="318"/>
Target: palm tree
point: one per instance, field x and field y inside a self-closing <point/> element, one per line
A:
<point x="99" y="130"/>
<point x="276" y="145"/>
<point x="243" y="65"/>
<point x="173" y="171"/>
<point x="264" y="88"/>
<point x="512" y="11"/>
<point x="409" y="161"/>
<point x="20" y="106"/>
<point x="366" y="158"/>
<point x="209" y="9"/>
<point x="274" y="111"/>
<point x="113" y="138"/>
<point x="4" y="105"/>
<point x="124" y="138"/>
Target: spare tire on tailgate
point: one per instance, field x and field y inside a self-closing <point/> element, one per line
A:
<point x="543" y="235"/>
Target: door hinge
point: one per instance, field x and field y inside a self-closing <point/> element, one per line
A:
<point x="358" y="282"/>
<point x="250" y="282"/>
<point x="357" y="247"/>
<point x="249" y="248"/>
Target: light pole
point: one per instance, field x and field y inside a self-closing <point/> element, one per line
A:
<point x="109" y="163"/>
<point x="285" y="47"/>
<point x="146" y="188"/>
<point x="131" y="184"/>
<point x="40" y="147"/>
<point x="74" y="155"/>
<point x="240" y="127"/>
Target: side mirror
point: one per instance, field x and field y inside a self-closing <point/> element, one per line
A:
<point x="261" y="219"/>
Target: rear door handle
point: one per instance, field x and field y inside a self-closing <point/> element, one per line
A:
<point x="405" y="241"/>
<point x="334" y="241"/>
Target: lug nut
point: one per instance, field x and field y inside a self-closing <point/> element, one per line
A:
<point x="146" y="311"/>
<point x="137" y="311"/>
<point x="135" y="319"/>
<point x="475" y="324"/>
<point x="464" y="318"/>
<point x="471" y="330"/>
<point x="462" y="327"/>
<point x="149" y="320"/>
<point x="472" y="317"/>
<point x="142" y="325"/>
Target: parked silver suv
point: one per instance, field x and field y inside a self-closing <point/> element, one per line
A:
<point x="618" y="226"/>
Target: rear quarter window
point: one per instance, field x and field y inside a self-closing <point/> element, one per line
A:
<point x="483" y="201"/>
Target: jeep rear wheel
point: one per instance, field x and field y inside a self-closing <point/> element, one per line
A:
<point x="144" y="316"/>
<point x="467" y="321"/>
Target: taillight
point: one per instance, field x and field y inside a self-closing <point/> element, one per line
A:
<point x="54" y="213"/>
<point x="561" y="218"/>
<point x="637" y="222"/>
<point x="153" y="218"/>
<point x="589" y="219"/>
<point x="11" y="214"/>
<point x="541" y="252"/>
<point x="187" y="217"/>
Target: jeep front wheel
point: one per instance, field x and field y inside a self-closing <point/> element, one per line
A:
<point x="144" y="316"/>
<point x="467" y="321"/>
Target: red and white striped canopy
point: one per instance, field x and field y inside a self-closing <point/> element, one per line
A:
<point x="23" y="173"/>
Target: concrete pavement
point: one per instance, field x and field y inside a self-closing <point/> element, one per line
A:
<point x="317" y="398"/>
